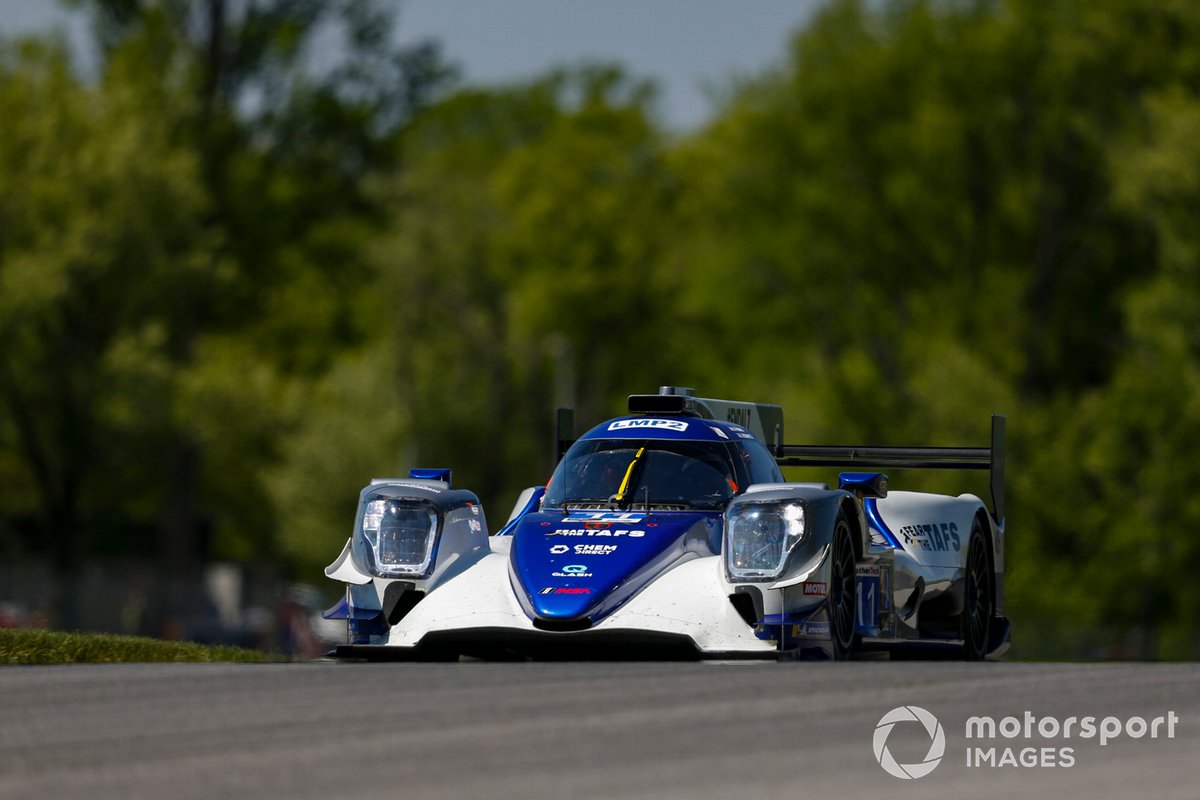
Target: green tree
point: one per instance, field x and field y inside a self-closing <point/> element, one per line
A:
<point x="526" y="269"/>
<point x="203" y="212"/>
<point x="101" y="213"/>
<point x="1136" y="435"/>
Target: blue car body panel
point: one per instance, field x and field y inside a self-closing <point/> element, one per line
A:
<point x="575" y="564"/>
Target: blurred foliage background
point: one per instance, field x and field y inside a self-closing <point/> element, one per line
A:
<point x="234" y="287"/>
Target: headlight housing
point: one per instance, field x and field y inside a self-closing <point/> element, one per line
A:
<point x="760" y="536"/>
<point x="401" y="536"/>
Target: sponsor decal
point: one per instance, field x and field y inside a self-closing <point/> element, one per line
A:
<point x="932" y="729"/>
<point x="586" y="532"/>
<point x="741" y="416"/>
<point x="664" y="424"/>
<point x="719" y="432"/>
<point x="815" y="629"/>
<point x="609" y="517"/>
<point x="584" y="549"/>
<point x="937" y="536"/>
<point x="594" y="549"/>
<point x="814" y="587"/>
<point x="565" y="590"/>
<point x="416" y="486"/>
<point x="475" y="526"/>
<point x="575" y="569"/>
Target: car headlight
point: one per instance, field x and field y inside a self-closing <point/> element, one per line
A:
<point x="400" y="535"/>
<point x="760" y="536"/>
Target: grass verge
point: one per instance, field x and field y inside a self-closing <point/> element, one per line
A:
<point x="55" y="647"/>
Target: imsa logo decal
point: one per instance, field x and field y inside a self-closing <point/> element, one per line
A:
<point x="605" y="518"/>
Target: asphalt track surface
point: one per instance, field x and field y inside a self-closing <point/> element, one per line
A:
<point x="474" y="730"/>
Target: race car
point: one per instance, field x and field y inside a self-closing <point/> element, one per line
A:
<point x="671" y="532"/>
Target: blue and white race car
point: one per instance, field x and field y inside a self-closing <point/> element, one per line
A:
<point x="671" y="532"/>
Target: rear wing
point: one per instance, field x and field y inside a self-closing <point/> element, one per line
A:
<point x="976" y="458"/>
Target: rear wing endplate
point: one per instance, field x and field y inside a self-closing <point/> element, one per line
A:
<point x="975" y="458"/>
<point x="564" y="432"/>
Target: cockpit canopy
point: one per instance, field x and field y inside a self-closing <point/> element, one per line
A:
<point x="660" y="474"/>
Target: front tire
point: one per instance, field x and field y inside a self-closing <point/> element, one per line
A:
<point x="840" y="600"/>
<point x="978" y="602"/>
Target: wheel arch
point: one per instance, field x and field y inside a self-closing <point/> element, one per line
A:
<point x="989" y="538"/>
<point x="858" y="519"/>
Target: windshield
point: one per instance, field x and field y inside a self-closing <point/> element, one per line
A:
<point x="630" y="473"/>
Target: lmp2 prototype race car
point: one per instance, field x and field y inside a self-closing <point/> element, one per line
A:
<point x="672" y="533"/>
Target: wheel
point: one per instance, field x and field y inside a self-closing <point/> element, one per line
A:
<point x="840" y="599"/>
<point x="978" y="607"/>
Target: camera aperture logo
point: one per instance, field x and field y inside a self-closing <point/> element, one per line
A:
<point x="998" y="743"/>
<point x="932" y="728"/>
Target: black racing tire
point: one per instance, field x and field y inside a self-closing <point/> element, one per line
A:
<point x="978" y="598"/>
<point x="840" y="601"/>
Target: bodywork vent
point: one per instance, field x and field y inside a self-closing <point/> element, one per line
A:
<point x="562" y="625"/>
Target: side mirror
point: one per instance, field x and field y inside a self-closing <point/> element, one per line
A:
<point x="864" y="484"/>
<point x="437" y="474"/>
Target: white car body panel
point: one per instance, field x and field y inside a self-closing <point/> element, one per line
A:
<point x="689" y="599"/>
